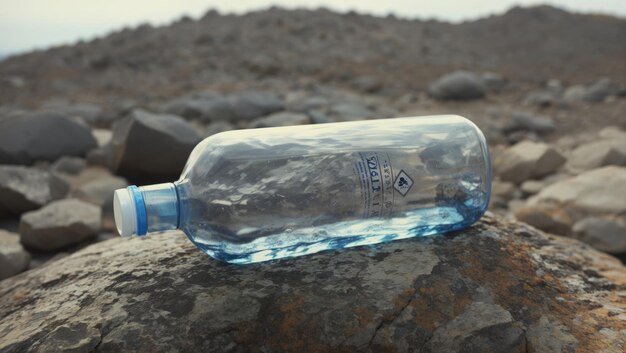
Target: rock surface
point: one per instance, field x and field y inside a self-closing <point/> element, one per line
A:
<point x="13" y="258"/>
<point x="496" y="287"/>
<point x="42" y="137"/>
<point x="59" y="224"/>
<point x="148" y="146"/>
<point x="23" y="189"/>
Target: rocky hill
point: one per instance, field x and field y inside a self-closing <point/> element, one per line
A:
<point x="299" y="46"/>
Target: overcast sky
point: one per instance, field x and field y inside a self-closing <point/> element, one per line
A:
<point x="30" y="24"/>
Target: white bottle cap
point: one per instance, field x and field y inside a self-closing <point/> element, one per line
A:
<point x="125" y="213"/>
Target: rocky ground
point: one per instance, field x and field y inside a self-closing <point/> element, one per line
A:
<point x="78" y="122"/>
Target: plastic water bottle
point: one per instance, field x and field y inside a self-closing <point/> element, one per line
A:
<point x="254" y="195"/>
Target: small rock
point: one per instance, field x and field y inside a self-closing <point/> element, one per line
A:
<point x="528" y="122"/>
<point x="100" y="190"/>
<point x="600" y="90"/>
<point x="612" y="133"/>
<point x="280" y="119"/>
<point x="42" y="137"/>
<point x="532" y="187"/>
<point x="251" y="105"/>
<point x="102" y="136"/>
<point x="597" y="92"/>
<point x="503" y="189"/>
<point x="318" y="117"/>
<point x="349" y="111"/>
<point x="69" y="165"/>
<point x="549" y="218"/>
<point x="152" y="147"/>
<point x="101" y="156"/>
<point x="13" y="258"/>
<point x="596" y="191"/>
<point x="527" y="160"/>
<point x="542" y="98"/>
<point x="23" y="189"/>
<point x="608" y="235"/>
<point x="458" y="85"/>
<point x="59" y="224"/>
<point x="598" y="154"/>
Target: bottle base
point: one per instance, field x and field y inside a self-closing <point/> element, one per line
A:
<point x="423" y="222"/>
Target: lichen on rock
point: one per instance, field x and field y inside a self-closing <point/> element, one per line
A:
<point x="496" y="287"/>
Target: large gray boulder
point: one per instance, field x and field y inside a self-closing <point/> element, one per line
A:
<point x="32" y="137"/>
<point x="23" y="189"/>
<point x="458" y="85"/>
<point x="59" y="224"/>
<point x="152" y="147"/>
<point x="496" y="287"/>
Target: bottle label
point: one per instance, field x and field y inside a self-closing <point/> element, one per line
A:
<point x="375" y="177"/>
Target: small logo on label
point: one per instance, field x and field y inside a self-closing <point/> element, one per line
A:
<point x="403" y="183"/>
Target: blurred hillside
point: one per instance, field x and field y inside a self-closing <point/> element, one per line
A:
<point x="300" y="46"/>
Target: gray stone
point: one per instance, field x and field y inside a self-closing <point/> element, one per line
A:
<point x="542" y="98"/>
<point x="281" y="119"/>
<point x="210" y="107"/>
<point x="69" y="165"/>
<point x="23" y="189"/>
<point x="99" y="191"/>
<point x="597" y="92"/>
<point x="42" y="137"/>
<point x="496" y="287"/>
<point x="350" y="111"/>
<point x="596" y="191"/>
<point x="13" y="258"/>
<point x="527" y="160"/>
<point x="600" y="90"/>
<point x="152" y="147"/>
<point x="605" y="234"/>
<point x="598" y="154"/>
<point x="458" y="85"/>
<point x="251" y="105"/>
<point x="59" y="224"/>
<point x="90" y="113"/>
<point x="527" y="122"/>
<point x="317" y="117"/>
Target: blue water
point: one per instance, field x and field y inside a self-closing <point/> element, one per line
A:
<point x="421" y="222"/>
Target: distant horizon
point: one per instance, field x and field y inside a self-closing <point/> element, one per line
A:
<point x="89" y="29"/>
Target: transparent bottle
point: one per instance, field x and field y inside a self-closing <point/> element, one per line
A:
<point x="261" y="194"/>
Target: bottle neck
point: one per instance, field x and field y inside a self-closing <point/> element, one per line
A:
<point x="146" y="209"/>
